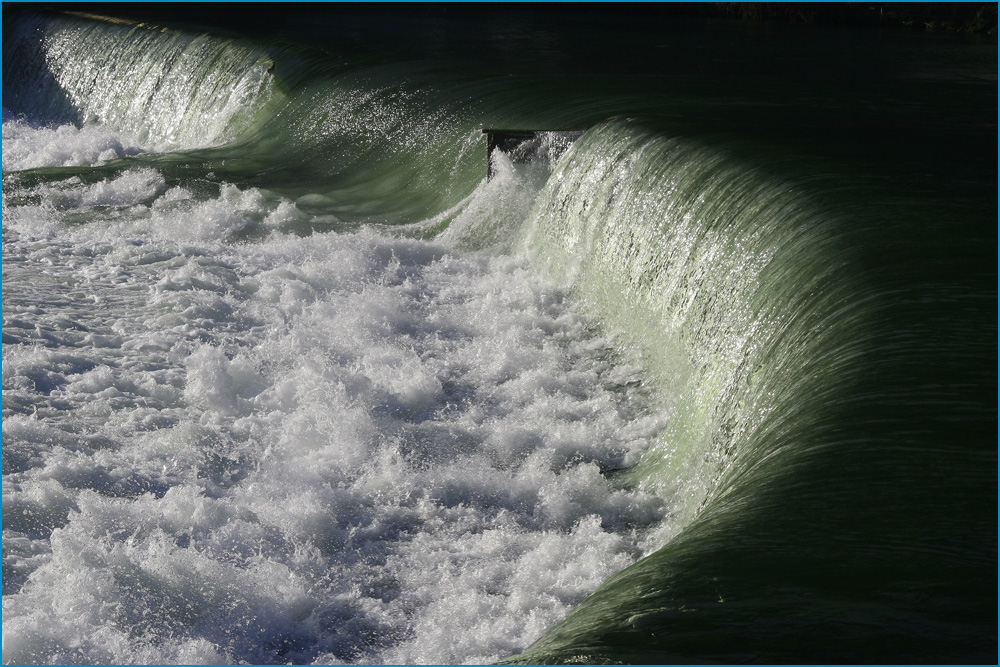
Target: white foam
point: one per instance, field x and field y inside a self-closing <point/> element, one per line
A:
<point x="340" y="448"/>
<point x="28" y="147"/>
<point x="131" y="188"/>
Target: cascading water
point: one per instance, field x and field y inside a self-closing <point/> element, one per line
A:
<point x="165" y="88"/>
<point x="717" y="276"/>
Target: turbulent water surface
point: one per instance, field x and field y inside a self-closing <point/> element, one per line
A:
<point x="287" y="379"/>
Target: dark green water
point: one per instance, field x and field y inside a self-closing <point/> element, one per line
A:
<point x="790" y="229"/>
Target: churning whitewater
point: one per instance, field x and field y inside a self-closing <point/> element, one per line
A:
<point x="339" y="447"/>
